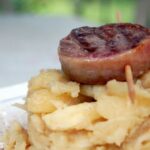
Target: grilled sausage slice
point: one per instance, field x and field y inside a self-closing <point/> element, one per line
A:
<point x="93" y="55"/>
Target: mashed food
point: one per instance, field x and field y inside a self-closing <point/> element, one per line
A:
<point x="65" y="115"/>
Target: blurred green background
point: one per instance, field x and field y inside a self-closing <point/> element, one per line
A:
<point x="103" y="11"/>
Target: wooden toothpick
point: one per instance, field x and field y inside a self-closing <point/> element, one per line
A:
<point x="130" y="82"/>
<point x="118" y="16"/>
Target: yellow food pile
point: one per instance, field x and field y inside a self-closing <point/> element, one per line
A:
<point x="65" y="115"/>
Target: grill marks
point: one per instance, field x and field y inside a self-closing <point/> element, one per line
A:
<point x="95" y="55"/>
<point x="104" y="41"/>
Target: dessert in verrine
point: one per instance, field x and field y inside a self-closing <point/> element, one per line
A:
<point x="88" y="105"/>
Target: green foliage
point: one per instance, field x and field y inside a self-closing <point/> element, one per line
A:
<point x="105" y="10"/>
<point x="94" y="10"/>
<point x="44" y="6"/>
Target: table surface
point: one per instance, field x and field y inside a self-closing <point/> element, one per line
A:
<point x="29" y="43"/>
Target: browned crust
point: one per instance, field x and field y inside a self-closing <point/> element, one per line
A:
<point x="94" y="71"/>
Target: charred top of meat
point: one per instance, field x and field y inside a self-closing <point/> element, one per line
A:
<point x="103" y="41"/>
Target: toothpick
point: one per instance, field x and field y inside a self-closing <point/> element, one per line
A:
<point x="130" y="82"/>
<point x="118" y="16"/>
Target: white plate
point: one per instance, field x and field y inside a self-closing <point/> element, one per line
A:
<point x="8" y="112"/>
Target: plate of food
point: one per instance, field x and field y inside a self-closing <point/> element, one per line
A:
<point x="99" y="100"/>
<point x="8" y="110"/>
